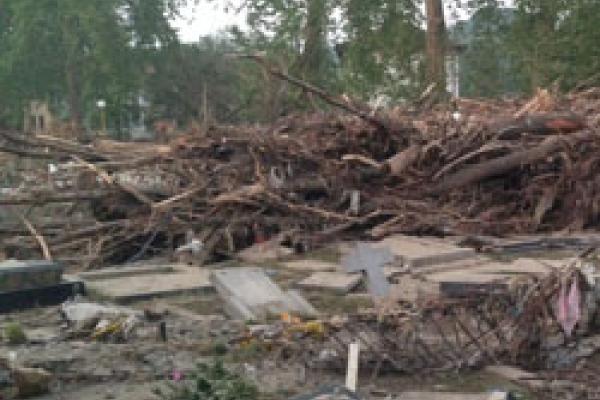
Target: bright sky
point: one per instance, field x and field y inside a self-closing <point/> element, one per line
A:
<point x="208" y="18"/>
<point x="205" y="19"/>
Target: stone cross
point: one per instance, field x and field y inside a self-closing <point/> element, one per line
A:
<point x="371" y="261"/>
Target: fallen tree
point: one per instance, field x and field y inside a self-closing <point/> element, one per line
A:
<point x="312" y="178"/>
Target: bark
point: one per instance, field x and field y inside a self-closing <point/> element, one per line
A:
<point x="314" y="37"/>
<point x="74" y="90"/>
<point x="502" y="165"/>
<point x="73" y="60"/>
<point x="45" y="198"/>
<point x="436" y="38"/>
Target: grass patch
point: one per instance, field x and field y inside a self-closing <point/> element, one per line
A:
<point x="213" y="382"/>
<point x="331" y="303"/>
<point x="14" y="334"/>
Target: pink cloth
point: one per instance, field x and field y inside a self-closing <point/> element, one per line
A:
<point x="568" y="307"/>
<point x="176" y="376"/>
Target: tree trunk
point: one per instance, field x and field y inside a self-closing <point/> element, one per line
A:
<point x="314" y="40"/>
<point x="74" y="91"/>
<point x="70" y="28"/>
<point x="436" y="38"/>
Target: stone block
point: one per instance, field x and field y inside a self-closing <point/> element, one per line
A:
<point x="249" y="294"/>
<point x="311" y="266"/>
<point x="21" y="275"/>
<point x="183" y="280"/>
<point x="335" y="281"/>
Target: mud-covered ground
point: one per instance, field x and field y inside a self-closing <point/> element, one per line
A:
<point x="83" y="368"/>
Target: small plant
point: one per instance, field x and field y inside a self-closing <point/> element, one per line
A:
<point x="220" y="348"/>
<point x="210" y="382"/>
<point x="14" y="334"/>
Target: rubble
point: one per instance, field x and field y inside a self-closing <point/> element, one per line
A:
<point x="99" y="322"/>
<point x="420" y="172"/>
<point x="31" y="382"/>
<point x="518" y="327"/>
<point x="258" y="194"/>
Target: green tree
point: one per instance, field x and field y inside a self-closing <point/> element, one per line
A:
<point x="80" y="51"/>
<point x="557" y="40"/>
<point x="382" y="47"/>
<point x="194" y="79"/>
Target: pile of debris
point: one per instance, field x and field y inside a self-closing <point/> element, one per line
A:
<point x="532" y="326"/>
<point x="547" y="324"/>
<point x="469" y="167"/>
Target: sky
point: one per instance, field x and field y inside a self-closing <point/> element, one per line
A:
<point x="205" y="19"/>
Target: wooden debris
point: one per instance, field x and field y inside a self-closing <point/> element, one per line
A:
<point x="439" y="171"/>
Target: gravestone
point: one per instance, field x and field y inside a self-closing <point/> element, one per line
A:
<point x="372" y="261"/>
<point x="249" y="294"/>
<point x="20" y="275"/>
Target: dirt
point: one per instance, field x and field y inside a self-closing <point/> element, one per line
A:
<point x="95" y="370"/>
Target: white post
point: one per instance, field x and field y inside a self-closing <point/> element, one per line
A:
<point x="352" y="373"/>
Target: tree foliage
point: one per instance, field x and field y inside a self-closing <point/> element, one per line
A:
<point x="75" y="52"/>
<point x="72" y="53"/>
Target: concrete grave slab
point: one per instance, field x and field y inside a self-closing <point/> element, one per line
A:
<point x="452" y="396"/>
<point x="340" y="282"/>
<point x="415" y="252"/>
<point x="461" y="278"/>
<point x="459" y="265"/>
<point x="311" y="265"/>
<point x="521" y="266"/>
<point x="249" y="294"/>
<point x="125" y="271"/>
<point x="20" y="275"/>
<point x="467" y="277"/>
<point x="182" y="280"/>
<point x="466" y="283"/>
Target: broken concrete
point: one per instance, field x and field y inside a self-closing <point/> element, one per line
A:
<point x="339" y="282"/>
<point x="31" y="382"/>
<point x="415" y="252"/>
<point x="250" y="294"/>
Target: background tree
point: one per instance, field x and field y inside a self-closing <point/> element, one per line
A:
<point x="80" y="50"/>
<point x="380" y="48"/>
<point x="436" y="43"/>
<point x="201" y="81"/>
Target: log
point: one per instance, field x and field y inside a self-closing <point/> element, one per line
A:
<point x="142" y="198"/>
<point x="401" y="162"/>
<point x="54" y="197"/>
<point x="502" y="165"/>
<point x="539" y="124"/>
<point x="59" y="146"/>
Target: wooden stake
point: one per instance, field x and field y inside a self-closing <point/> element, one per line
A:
<point x="352" y="373"/>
